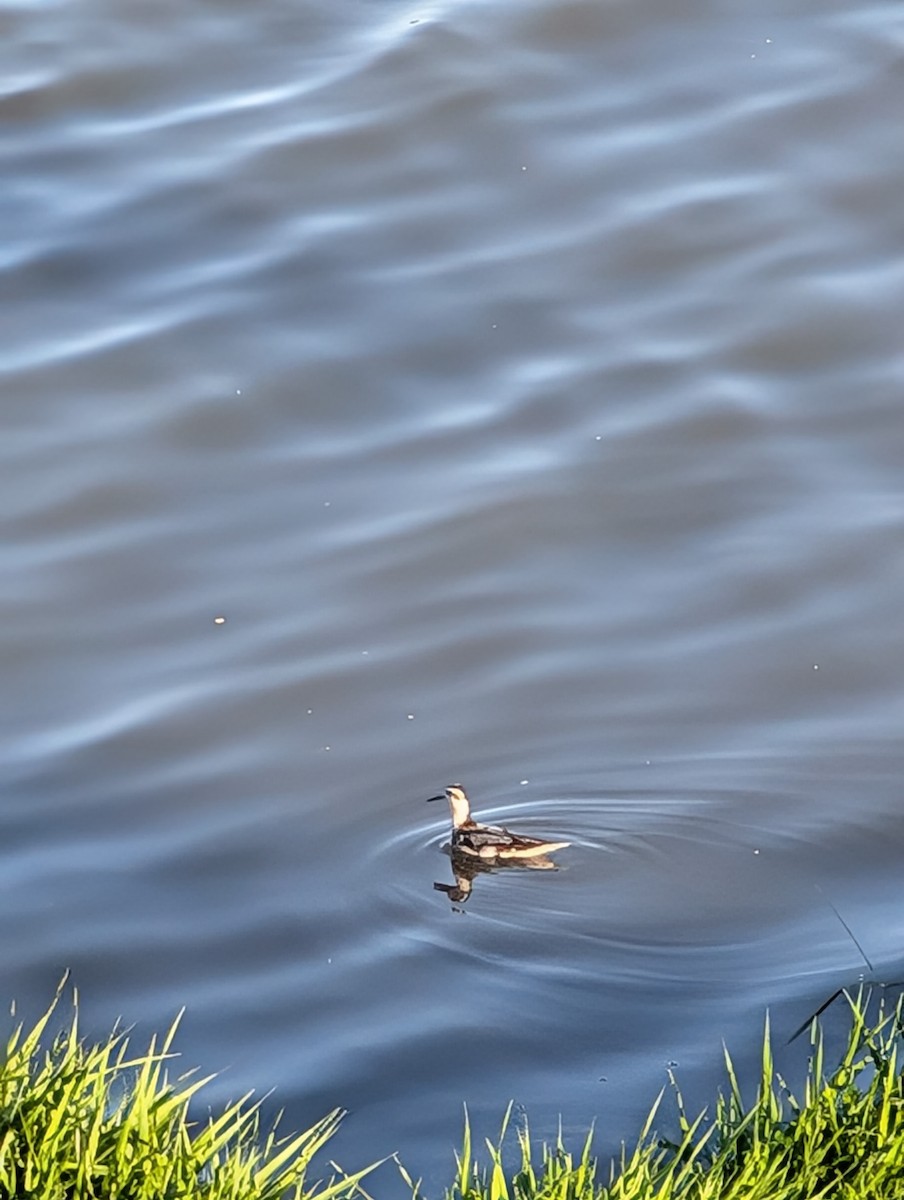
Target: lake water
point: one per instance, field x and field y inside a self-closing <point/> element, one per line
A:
<point x="399" y="394"/>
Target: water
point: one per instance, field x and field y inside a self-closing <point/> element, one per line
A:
<point x="521" y="383"/>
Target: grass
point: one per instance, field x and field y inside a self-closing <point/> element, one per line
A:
<point x="841" y="1138"/>
<point x="99" y="1122"/>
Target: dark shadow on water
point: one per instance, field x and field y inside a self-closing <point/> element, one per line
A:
<point x="842" y="990"/>
<point x="862" y="988"/>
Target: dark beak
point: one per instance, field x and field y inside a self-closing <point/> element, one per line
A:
<point x="430" y="799"/>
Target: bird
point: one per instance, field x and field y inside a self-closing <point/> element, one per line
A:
<point x="489" y="842"/>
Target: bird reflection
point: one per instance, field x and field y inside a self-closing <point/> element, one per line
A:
<point x="466" y="868"/>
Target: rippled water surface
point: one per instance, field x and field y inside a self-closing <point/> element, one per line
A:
<point x="393" y="394"/>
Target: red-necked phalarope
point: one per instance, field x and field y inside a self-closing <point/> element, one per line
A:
<point x="488" y="841"/>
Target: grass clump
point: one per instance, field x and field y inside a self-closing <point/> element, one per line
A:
<point x="102" y="1123"/>
<point x="98" y="1122"/>
<point x="841" y="1138"/>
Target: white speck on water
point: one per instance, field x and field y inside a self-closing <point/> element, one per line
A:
<point x="365" y="653"/>
<point x="524" y="168"/>
<point x="219" y="620"/>
<point x="598" y="438"/>
<point x="816" y="666"/>
<point x="756" y="851"/>
<point x="524" y="781"/>
<point x="326" y="747"/>
<point x="310" y="710"/>
<point x="238" y="391"/>
<point x="326" y="504"/>
<point x="329" y="960"/>
<point x="411" y="716"/>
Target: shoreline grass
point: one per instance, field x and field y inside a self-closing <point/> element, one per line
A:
<point x="98" y="1121"/>
<point x="101" y="1122"/>
<point x="841" y="1137"/>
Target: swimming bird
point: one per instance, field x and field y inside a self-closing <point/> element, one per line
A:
<point x="488" y="841"/>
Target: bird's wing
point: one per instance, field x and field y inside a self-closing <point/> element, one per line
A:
<point x="487" y="835"/>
